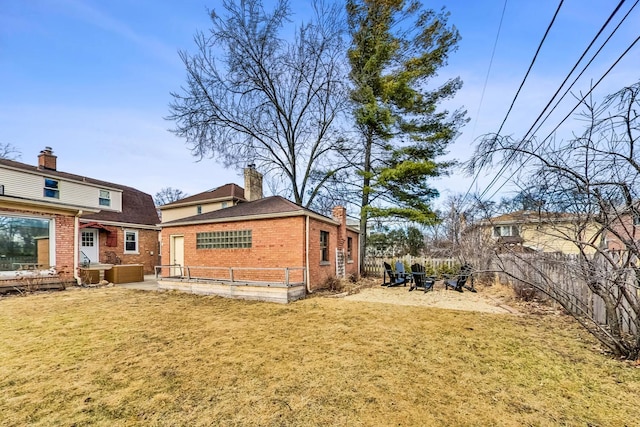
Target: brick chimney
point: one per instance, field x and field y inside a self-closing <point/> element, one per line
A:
<point x="46" y="159"/>
<point x="252" y="183"/>
<point x="339" y="213"/>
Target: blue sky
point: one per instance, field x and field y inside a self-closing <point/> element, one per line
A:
<point x="92" y="79"/>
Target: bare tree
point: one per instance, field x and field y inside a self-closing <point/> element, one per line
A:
<point x="591" y="191"/>
<point x="256" y="95"/>
<point x="168" y="195"/>
<point x="9" y="151"/>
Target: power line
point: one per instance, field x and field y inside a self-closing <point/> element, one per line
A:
<point x="521" y="85"/>
<point x="486" y="79"/>
<point x="607" y="22"/>
<point x="578" y="103"/>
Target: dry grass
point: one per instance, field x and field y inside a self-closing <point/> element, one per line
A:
<point x="120" y="357"/>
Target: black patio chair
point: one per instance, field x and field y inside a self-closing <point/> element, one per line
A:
<point x="461" y="280"/>
<point x="394" y="278"/>
<point x="420" y="279"/>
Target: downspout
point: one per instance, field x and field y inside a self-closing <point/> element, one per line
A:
<point x="76" y="225"/>
<point x="308" y="275"/>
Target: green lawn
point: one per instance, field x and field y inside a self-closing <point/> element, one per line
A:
<point x="120" y="357"/>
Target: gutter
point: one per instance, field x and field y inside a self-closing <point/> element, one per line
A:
<point x="306" y="238"/>
<point x="76" y="238"/>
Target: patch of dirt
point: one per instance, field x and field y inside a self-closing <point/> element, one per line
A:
<point x="486" y="300"/>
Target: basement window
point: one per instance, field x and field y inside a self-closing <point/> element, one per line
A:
<point x="51" y="188"/>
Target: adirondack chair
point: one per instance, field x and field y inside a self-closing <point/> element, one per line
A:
<point x="420" y="280"/>
<point x="461" y="280"/>
<point x="394" y="278"/>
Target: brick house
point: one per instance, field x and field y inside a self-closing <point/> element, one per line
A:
<point x="261" y="240"/>
<point x="624" y="233"/>
<point x="53" y="221"/>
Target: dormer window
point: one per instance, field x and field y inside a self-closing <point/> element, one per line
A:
<point x="105" y="198"/>
<point x="51" y="188"/>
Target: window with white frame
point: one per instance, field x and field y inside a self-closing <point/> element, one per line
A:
<point x="130" y="241"/>
<point x="324" y="246"/>
<point x="105" y="198"/>
<point x="505" y="231"/>
<point x="51" y="188"/>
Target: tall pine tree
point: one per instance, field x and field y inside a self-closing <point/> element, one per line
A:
<point x="397" y="47"/>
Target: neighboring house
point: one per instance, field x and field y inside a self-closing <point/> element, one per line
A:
<point x="56" y="220"/>
<point x="625" y="230"/>
<point x="261" y="239"/>
<point x="540" y="231"/>
<point x="219" y="198"/>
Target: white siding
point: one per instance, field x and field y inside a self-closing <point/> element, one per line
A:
<point x="31" y="186"/>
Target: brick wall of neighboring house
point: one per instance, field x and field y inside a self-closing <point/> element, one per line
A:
<point x="148" y="254"/>
<point x="625" y="228"/>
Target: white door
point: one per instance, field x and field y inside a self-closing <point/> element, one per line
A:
<point x="89" y="245"/>
<point x="177" y="255"/>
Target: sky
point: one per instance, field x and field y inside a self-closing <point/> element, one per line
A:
<point x="92" y="80"/>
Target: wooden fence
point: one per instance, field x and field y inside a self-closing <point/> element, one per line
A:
<point x="562" y="277"/>
<point x="373" y="266"/>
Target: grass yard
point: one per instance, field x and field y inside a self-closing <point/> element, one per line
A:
<point x="121" y="357"/>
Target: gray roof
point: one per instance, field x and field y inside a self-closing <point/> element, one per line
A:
<point x="272" y="205"/>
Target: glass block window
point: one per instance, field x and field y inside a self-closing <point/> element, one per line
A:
<point x="105" y="198"/>
<point x="51" y="188"/>
<point x="324" y="246"/>
<point x="233" y="239"/>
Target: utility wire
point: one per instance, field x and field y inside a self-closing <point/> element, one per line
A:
<point x="486" y="79"/>
<point x="521" y="85"/>
<point x="578" y="103"/>
<point x="524" y="138"/>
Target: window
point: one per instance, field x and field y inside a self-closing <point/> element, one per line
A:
<point x="324" y="246"/>
<point x="349" y="249"/>
<point x="199" y="209"/>
<point x="505" y="231"/>
<point x="51" y="188"/>
<point x="87" y="238"/>
<point x="105" y="198"/>
<point x="636" y="218"/>
<point x="25" y="243"/>
<point x="234" y="239"/>
<point x="224" y="205"/>
<point x="130" y="241"/>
